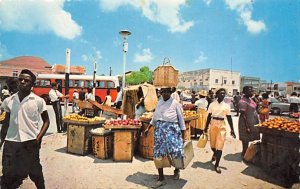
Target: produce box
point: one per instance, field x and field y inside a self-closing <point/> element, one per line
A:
<point x="123" y="145"/>
<point x="79" y="138"/>
<point x="102" y="142"/>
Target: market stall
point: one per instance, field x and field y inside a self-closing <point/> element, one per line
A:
<point x="279" y="149"/>
<point x="78" y="133"/>
<point x="124" y="137"/>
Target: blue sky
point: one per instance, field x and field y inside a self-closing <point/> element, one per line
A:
<point x="262" y="38"/>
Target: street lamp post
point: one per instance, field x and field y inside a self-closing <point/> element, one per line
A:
<point x="124" y="34"/>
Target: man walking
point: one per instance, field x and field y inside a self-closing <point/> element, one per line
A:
<point x="55" y="97"/>
<point x="236" y="100"/>
<point x="23" y="139"/>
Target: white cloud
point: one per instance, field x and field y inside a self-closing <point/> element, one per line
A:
<point x="165" y="12"/>
<point x="201" y="58"/>
<point x="207" y="2"/>
<point x="244" y="9"/>
<point x="144" y="57"/>
<point x="95" y="56"/>
<point x="38" y="16"/>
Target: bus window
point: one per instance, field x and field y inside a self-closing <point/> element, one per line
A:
<point x="110" y="84"/>
<point x="42" y="83"/>
<point x="76" y="83"/>
<point x="101" y="84"/>
<point x="70" y="83"/>
<point x="89" y="83"/>
<point x="46" y="83"/>
<point x="60" y="84"/>
<point x="81" y="83"/>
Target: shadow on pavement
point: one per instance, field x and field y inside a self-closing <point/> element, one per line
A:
<point x="204" y="165"/>
<point x="234" y="157"/>
<point x="258" y="173"/>
<point x="149" y="180"/>
<point x="63" y="150"/>
<point x="98" y="160"/>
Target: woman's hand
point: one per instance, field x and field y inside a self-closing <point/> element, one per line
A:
<point x="232" y="134"/>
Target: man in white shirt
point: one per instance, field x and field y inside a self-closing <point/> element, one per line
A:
<point x="23" y="139"/>
<point x="55" y="97"/>
<point x="118" y="101"/>
<point x="294" y="101"/>
<point x="175" y="95"/>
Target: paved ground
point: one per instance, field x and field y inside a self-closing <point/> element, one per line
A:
<point x="69" y="171"/>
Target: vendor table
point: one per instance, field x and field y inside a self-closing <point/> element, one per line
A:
<point x="123" y="141"/>
<point x="280" y="154"/>
<point x="79" y="137"/>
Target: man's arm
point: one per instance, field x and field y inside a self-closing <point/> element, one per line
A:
<point x="46" y="123"/>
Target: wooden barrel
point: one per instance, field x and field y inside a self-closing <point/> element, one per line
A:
<point x="146" y="142"/>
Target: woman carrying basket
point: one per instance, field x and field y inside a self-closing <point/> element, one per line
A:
<point x="168" y="122"/>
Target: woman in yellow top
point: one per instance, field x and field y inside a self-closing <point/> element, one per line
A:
<point x="217" y="111"/>
<point x="201" y="105"/>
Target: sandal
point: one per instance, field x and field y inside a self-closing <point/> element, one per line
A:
<point x="159" y="183"/>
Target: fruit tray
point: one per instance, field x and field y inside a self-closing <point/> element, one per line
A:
<point x="274" y="131"/>
<point x="190" y="118"/>
<point x="122" y="126"/>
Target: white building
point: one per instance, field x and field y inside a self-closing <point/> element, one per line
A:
<point x="210" y="79"/>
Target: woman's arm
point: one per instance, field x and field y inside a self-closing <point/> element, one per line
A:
<point x="207" y="122"/>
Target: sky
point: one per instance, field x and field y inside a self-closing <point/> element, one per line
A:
<point x="259" y="38"/>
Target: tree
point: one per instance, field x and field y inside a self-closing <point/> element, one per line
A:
<point x="138" y="77"/>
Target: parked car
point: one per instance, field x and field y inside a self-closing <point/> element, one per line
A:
<point x="276" y="107"/>
<point x="185" y="97"/>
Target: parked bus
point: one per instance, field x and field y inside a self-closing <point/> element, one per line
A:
<point x="103" y="83"/>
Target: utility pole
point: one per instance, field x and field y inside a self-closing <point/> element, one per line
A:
<point x="110" y="71"/>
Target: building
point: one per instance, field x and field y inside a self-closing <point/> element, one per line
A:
<point x="292" y="87"/>
<point x="210" y="79"/>
<point x="11" y="68"/>
<point x="250" y="81"/>
<point x="60" y="69"/>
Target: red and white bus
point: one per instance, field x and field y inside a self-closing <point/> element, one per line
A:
<point x="103" y="83"/>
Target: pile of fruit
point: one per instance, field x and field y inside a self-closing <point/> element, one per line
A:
<point x="76" y="117"/>
<point x="122" y="122"/>
<point x="189" y="113"/>
<point x="282" y="124"/>
<point x="147" y="116"/>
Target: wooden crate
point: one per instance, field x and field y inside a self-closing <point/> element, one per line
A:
<point x="79" y="139"/>
<point x="187" y="132"/>
<point x="123" y="145"/>
<point x="146" y="144"/>
<point x="102" y="144"/>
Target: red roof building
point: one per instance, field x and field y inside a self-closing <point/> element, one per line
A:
<point x="11" y="68"/>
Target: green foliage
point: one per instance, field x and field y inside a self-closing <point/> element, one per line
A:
<point x="138" y="77"/>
